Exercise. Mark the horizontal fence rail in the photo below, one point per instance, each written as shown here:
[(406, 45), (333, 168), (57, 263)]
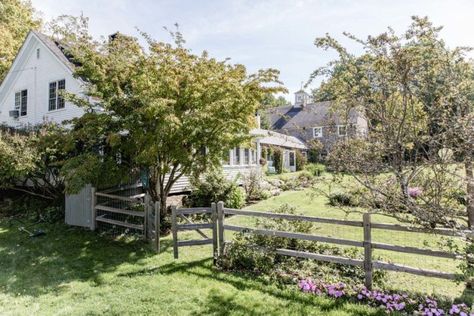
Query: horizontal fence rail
[(132, 210), (190, 225), (231, 211), (367, 244), (276, 233)]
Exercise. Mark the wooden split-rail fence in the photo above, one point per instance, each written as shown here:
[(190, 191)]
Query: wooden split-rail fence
[(219, 227)]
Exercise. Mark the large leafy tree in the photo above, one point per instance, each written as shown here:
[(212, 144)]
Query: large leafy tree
[(414, 92), (17, 18), (162, 109)]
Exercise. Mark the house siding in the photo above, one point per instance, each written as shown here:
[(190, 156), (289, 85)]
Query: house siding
[(34, 75)]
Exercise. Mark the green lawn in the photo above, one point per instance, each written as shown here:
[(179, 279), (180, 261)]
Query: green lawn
[(71, 271), (308, 202)]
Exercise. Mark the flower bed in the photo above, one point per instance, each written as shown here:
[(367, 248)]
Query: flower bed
[(391, 302)]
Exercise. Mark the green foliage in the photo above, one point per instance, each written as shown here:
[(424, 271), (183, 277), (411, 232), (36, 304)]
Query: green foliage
[(15, 167), (342, 199), (301, 160), (17, 18), (255, 253), (36, 171), (252, 185), (315, 169), (278, 160), (270, 101), (314, 152), (163, 105), (412, 89), (215, 187)]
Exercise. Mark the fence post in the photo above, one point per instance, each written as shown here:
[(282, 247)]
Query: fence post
[(220, 222), (157, 226), (214, 232), (93, 210), (174, 230), (367, 251), (147, 213)]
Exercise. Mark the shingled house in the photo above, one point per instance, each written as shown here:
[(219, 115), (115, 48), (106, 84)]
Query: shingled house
[(308, 121)]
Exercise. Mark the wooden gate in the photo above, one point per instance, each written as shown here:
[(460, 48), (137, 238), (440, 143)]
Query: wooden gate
[(187, 224), (127, 210)]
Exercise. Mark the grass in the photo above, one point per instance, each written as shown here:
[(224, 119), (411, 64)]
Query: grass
[(309, 202), (71, 271)]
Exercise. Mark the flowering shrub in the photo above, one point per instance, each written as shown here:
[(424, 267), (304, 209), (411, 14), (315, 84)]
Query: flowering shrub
[(391, 302), (415, 192), (332, 290)]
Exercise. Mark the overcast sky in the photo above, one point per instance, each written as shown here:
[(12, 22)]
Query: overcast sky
[(262, 34)]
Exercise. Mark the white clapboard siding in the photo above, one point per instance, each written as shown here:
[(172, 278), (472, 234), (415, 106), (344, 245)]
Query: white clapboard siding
[(231, 172)]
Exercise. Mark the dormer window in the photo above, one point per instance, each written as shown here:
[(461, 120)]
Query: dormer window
[(342, 130), (56, 100), (317, 132)]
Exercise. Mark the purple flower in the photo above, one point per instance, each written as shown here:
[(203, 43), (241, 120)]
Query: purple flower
[(400, 306), (454, 309), (415, 192)]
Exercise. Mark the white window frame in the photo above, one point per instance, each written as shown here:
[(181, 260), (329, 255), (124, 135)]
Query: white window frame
[(318, 135), (339, 127), (57, 98), (21, 102)]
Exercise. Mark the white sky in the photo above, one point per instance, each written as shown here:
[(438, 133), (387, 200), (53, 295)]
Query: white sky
[(274, 33)]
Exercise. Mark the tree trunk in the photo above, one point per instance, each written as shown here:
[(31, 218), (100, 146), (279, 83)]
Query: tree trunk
[(469, 192)]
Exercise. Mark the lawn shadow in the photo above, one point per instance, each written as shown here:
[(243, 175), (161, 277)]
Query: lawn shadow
[(36, 266), (218, 304)]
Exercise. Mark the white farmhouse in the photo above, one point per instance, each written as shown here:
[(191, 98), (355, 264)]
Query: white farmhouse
[(30, 93)]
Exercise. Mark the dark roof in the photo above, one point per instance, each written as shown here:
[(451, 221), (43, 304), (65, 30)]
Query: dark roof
[(55, 48), (290, 117)]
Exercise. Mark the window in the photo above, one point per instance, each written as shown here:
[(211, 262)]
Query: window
[(56, 100), (37, 53), (253, 157), (237, 157), (292, 158), (341, 130), (21, 102), (246, 156), (317, 132)]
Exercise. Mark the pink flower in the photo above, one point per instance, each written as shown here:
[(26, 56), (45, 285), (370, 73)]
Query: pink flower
[(415, 192)]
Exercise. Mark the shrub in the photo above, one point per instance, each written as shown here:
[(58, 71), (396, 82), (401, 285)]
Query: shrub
[(255, 253), (252, 184), (343, 199), (278, 160), (315, 169), (315, 150), (302, 180), (301, 160), (215, 187)]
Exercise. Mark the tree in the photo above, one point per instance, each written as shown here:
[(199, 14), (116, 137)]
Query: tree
[(411, 89), (164, 110), (270, 101), (36, 171), (17, 18)]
